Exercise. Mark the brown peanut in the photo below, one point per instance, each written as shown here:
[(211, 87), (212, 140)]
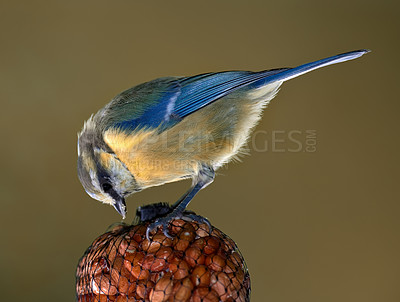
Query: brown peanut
[(200, 276), (121, 298), (230, 267), (102, 285), (219, 283), (194, 256), (199, 243), (202, 230), (140, 273), (183, 290), (179, 268), (143, 289), (134, 259), (164, 253), (203, 294), (212, 245), (188, 233), (215, 262), (104, 298), (98, 265), (177, 226), (181, 244), (138, 233), (162, 290)]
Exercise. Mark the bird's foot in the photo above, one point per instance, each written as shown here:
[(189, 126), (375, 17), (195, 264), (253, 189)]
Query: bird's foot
[(165, 221)]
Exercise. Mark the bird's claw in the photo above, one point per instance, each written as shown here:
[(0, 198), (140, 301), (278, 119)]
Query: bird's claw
[(164, 222)]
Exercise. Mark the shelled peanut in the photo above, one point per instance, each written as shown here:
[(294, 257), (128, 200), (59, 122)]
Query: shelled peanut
[(195, 265)]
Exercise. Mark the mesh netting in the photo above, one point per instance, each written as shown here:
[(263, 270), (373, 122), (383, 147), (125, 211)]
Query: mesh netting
[(196, 265)]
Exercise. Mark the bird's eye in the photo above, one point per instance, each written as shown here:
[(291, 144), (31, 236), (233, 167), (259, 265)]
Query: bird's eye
[(106, 187)]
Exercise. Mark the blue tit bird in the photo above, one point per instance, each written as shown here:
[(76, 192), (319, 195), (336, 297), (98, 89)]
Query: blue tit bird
[(175, 128)]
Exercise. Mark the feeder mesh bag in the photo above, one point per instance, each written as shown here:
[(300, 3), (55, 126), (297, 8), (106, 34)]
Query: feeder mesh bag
[(195, 265)]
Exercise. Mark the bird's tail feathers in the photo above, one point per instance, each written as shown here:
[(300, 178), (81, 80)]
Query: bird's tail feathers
[(302, 69)]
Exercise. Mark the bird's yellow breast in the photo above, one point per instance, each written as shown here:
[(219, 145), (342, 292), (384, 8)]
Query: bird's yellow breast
[(146, 155)]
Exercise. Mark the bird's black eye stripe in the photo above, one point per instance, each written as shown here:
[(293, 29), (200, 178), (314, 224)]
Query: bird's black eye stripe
[(106, 186)]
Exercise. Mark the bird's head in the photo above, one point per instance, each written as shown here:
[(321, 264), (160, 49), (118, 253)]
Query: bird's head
[(103, 176)]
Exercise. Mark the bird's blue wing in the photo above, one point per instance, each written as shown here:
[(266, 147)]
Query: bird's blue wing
[(169, 100), (200, 91)]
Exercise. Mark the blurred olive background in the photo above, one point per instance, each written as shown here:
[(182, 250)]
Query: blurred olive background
[(312, 226)]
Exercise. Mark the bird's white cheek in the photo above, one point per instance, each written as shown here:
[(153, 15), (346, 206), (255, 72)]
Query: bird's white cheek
[(103, 198)]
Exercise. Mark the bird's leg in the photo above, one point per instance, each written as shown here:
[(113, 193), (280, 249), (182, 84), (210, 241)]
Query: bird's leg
[(204, 177)]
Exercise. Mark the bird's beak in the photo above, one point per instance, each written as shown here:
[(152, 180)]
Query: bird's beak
[(120, 206)]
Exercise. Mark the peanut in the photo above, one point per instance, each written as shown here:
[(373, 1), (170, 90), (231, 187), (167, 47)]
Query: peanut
[(200, 276), (102, 285), (188, 233), (202, 230), (140, 273), (179, 268), (194, 256), (219, 283), (203, 294), (212, 245), (162, 290), (215, 262), (183, 290), (143, 289)]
